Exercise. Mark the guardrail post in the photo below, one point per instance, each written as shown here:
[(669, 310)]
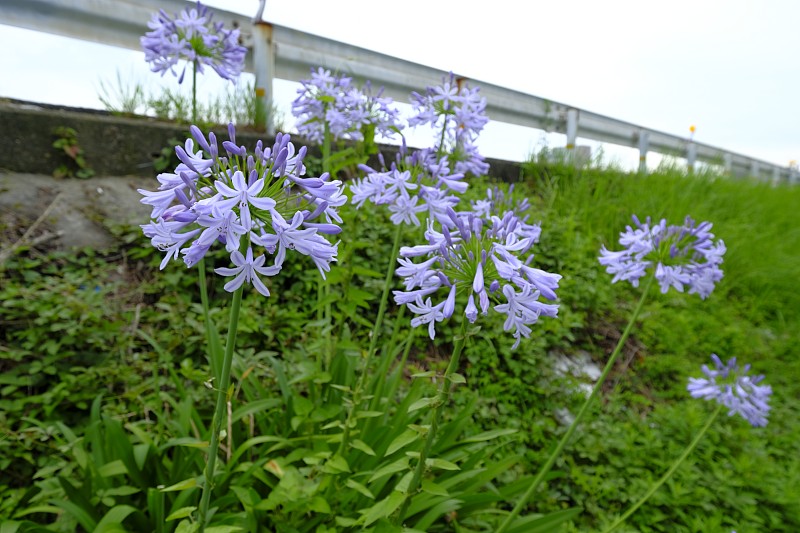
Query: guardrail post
[(755, 169), (264, 66), (644, 144), (776, 176), (572, 128), (727, 161), (691, 156)]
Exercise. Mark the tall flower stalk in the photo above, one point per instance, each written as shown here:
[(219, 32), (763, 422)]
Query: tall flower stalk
[(254, 203), (674, 255), (731, 388)]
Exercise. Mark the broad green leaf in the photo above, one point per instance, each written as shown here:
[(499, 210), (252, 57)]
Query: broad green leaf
[(489, 435), (345, 522), (113, 519), (302, 406), (81, 516), (246, 495), (223, 529), (369, 414), (114, 468), (183, 512), (355, 485), (336, 465), (428, 374), (402, 440), (383, 508), (257, 406), (543, 524), (391, 468), (419, 404), (441, 464), (457, 378), (363, 446), (432, 488), (181, 485), (319, 504)]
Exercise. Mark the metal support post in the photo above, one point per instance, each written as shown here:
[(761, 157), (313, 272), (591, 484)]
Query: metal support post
[(755, 169), (776, 176), (691, 156), (644, 145), (727, 161), (264, 66), (572, 128)]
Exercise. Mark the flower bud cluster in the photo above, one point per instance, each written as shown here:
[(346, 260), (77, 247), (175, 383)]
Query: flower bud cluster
[(240, 199), (347, 110), (192, 37), (682, 255), (478, 261), (730, 386)]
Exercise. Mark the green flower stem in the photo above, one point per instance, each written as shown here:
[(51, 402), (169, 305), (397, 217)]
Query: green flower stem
[(443, 398), (669, 472), (387, 284), (211, 335), (579, 417), (219, 411)]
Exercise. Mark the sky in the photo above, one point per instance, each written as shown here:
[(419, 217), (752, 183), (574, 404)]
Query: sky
[(731, 68)]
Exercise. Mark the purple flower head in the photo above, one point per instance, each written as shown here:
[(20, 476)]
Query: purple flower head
[(468, 260), (346, 110), (192, 37), (729, 385), (680, 256), (241, 199), (458, 114), (409, 188)]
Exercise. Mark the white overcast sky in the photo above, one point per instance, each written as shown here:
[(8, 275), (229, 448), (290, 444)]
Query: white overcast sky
[(729, 67)]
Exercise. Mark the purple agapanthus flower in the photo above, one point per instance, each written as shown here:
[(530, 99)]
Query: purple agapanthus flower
[(409, 189), (458, 114), (477, 261), (730, 386), (681, 255), (240, 200), (347, 110), (191, 36)]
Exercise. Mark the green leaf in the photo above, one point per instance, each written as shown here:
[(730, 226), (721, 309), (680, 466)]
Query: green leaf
[(432, 488), (428, 374), (543, 524), (363, 446), (457, 378), (302, 406), (181, 485), (223, 529), (441, 464), (81, 516), (369, 414), (113, 519), (401, 441), (383, 508), (422, 402), (489, 435), (336, 465), (257, 406), (319, 505), (183, 512), (391, 468), (114, 468), (355, 485)]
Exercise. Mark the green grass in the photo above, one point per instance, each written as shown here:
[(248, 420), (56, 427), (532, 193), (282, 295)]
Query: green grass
[(74, 325)]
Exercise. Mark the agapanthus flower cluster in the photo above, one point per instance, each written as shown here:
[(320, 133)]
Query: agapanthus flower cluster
[(347, 110), (730, 386), (193, 37), (458, 114), (241, 199), (478, 261), (683, 255), (409, 188)]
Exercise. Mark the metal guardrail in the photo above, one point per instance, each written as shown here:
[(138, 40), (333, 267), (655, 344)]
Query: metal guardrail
[(284, 53)]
